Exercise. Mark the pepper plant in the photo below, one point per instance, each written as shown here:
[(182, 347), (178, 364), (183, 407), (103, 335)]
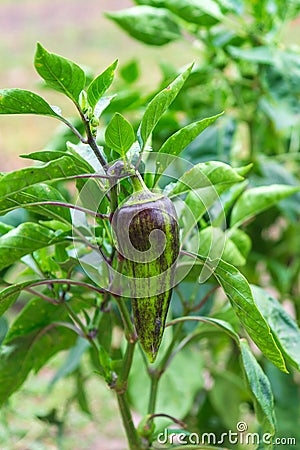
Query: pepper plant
[(248, 61), (112, 230)]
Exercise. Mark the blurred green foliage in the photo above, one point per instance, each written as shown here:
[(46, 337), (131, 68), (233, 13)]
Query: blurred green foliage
[(243, 68)]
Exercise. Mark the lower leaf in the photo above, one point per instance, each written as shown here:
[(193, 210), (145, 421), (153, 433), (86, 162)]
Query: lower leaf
[(32, 340)]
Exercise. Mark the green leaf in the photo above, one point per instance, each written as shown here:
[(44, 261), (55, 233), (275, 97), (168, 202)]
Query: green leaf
[(181, 139), (239, 293), (31, 342), (215, 143), (203, 194), (225, 395), (72, 360), (105, 329), (14, 182), (9, 295), (119, 134), (279, 113), (37, 193), (147, 24), (20, 101), (287, 401), (44, 155), (102, 104), (255, 200), (22, 240), (201, 13), (281, 87), (156, 3), (258, 55), (215, 175), (59, 73), (4, 228), (215, 242), (244, 170), (241, 241), (130, 71), (227, 199), (197, 205), (284, 328), (100, 84), (159, 104), (3, 329), (81, 154), (125, 100), (85, 157), (260, 389), (84, 161), (273, 172), (81, 394)]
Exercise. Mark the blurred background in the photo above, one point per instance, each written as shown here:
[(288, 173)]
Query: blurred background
[(79, 33)]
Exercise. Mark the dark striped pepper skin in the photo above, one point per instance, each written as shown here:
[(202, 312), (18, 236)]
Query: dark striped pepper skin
[(147, 235)]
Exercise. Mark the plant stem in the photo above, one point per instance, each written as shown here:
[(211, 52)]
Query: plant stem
[(134, 440), (90, 138), (205, 298), (70, 206), (66, 281), (42, 296), (131, 433), (85, 333), (252, 148), (121, 384), (75, 131), (177, 421), (76, 319), (153, 394), (92, 142), (127, 362), (113, 196), (96, 175), (97, 248), (157, 373)]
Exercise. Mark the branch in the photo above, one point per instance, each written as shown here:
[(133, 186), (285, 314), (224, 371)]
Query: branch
[(177, 421), (90, 138), (43, 296), (71, 282), (75, 131), (94, 247), (69, 205), (205, 298), (96, 175), (131, 433)]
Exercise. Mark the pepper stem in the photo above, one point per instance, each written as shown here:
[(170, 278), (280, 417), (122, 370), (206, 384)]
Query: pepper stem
[(138, 183)]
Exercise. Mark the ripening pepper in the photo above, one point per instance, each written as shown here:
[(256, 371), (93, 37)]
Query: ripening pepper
[(147, 235)]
